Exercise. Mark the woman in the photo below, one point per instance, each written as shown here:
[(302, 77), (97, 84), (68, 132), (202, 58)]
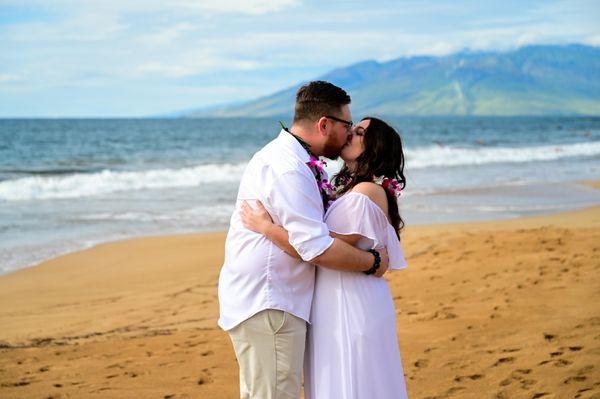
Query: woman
[(352, 348)]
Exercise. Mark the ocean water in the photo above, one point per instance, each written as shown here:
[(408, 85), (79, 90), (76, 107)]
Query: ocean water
[(70, 184)]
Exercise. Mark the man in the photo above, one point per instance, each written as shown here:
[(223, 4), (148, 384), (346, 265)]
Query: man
[(264, 294)]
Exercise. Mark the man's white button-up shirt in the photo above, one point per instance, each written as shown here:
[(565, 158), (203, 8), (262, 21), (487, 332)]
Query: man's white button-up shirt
[(256, 274)]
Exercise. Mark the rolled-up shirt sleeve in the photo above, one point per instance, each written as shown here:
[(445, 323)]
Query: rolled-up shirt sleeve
[(292, 199)]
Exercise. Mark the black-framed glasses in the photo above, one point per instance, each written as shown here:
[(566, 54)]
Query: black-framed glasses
[(349, 124)]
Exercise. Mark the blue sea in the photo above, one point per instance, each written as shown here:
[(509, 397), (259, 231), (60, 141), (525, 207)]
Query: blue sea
[(68, 184)]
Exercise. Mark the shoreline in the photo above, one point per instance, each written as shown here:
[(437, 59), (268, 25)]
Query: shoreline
[(595, 184), (591, 183), (507, 308)]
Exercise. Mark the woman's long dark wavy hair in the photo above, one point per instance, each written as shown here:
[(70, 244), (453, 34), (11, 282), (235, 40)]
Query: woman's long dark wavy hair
[(383, 156)]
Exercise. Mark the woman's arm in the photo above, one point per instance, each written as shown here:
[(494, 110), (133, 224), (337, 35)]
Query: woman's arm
[(259, 221), (280, 237), (341, 256)]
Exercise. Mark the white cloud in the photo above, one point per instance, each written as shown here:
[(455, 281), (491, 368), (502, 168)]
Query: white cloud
[(134, 44), (82, 27), (593, 40), (191, 66), (166, 35), (8, 78), (251, 7)]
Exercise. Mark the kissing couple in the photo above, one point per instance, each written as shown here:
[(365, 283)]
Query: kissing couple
[(301, 286)]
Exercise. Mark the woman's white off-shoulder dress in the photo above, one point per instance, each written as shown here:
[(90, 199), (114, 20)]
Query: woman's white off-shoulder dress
[(352, 348)]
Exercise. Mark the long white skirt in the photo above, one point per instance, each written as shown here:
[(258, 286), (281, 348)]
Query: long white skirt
[(352, 348)]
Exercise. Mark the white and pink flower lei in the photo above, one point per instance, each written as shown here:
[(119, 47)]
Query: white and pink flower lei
[(391, 185)]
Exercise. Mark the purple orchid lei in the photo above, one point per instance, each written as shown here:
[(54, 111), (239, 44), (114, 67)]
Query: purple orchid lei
[(323, 184)]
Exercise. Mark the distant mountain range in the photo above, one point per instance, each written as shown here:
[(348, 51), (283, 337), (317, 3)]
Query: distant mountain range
[(532, 80)]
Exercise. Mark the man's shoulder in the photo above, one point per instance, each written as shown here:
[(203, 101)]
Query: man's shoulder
[(279, 158)]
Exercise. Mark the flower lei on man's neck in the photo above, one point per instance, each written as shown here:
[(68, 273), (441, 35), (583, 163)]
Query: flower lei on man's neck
[(317, 166)]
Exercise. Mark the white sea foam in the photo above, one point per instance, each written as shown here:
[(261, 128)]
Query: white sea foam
[(453, 156), (107, 181)]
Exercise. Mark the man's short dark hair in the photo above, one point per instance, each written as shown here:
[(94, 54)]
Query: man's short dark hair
[(317, 99)]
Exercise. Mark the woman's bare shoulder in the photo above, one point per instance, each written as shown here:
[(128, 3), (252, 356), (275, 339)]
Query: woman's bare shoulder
[(375, 192)]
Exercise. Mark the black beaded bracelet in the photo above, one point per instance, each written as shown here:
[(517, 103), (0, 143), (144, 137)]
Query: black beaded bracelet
[(376, 263)]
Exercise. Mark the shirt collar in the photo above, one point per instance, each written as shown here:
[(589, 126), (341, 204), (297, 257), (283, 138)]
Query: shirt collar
[(293, 144)]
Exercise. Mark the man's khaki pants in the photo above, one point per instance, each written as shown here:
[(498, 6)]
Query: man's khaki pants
[(269, 347)]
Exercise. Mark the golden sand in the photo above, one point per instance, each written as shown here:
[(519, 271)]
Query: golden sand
[(505, 309)]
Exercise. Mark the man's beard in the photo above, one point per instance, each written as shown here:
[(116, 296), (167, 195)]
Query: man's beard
[(331, 149)]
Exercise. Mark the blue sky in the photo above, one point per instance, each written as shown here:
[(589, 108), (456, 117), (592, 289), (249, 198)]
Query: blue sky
[(61, 58)]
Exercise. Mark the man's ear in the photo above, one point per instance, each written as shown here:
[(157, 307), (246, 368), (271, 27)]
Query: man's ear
[(322, 126)]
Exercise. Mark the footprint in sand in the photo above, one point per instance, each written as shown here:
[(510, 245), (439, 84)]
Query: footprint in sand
[(523, 371), (501, 395), (504, 360), (15, 384), (580, 377), (539, 395), (473, 377), (579, 392), (526, 384), (556, 362), (205, 378), (518, 376), (549, 337), (112, 366), (585, 370), (505, 382), (453, 390), (577, 378), (562, 363)]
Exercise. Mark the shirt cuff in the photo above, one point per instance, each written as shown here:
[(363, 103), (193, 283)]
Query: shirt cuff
[(311, 249)]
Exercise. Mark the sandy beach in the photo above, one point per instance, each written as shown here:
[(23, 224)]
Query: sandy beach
[(504, 309)]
